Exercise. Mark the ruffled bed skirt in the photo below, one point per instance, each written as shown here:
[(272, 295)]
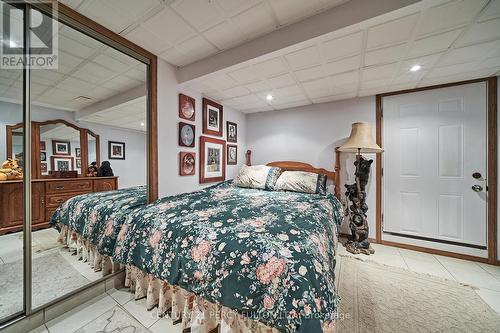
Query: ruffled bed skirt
[(194, 312), (87, 252)]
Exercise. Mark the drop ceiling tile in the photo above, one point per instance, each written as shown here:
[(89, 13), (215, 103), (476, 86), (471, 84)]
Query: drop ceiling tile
[(310, 73), (236, 92), (270, 67), (344, 89), (104, 11), (121, 83), (46, 77), (402, 86), (316, 88), (371, 92), (143, 37), (469, 53), (452, 69), (281, 81), (491, 62), (289, 11), (466, 75), (231, 7), (343, 47), (365, 85), (392, 32), (435, 43), (379, 72), (254, 21), (385, 55), (168, 26), (74, 47), (75, 85), (333, 98), (288, 91), (196, 46), (258, 109), (173, 56), (224, 35), (92, 72), (343, 79), (481, 32), (258, 86), (244, 75), (341, 66), (426, 63), (111, 63), (492, 11), (220, 82), (201, 14), (306, 57), (293, 104), (449, 15)]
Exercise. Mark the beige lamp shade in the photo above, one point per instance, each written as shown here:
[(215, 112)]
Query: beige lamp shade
[(360, 139)]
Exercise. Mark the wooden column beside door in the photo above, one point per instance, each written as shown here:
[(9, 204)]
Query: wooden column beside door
[(491, 88)]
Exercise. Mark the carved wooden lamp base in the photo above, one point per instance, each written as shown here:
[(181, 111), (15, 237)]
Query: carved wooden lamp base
[(357, 248)]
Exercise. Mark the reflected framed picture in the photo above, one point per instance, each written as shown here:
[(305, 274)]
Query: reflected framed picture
[(43, 156), (186, 135), (232, 154), (61, 147), (186, 107), (43, 167), (78, 163), (231, 132), (212, 160), (43, 146), (212, 117), (116, 150), (61, 163), (77, 152), (187, 163)]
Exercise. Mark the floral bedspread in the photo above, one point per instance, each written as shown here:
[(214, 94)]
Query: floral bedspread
[(267, 255), (98, 216)]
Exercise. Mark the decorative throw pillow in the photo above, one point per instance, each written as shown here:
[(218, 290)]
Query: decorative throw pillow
[(301, 181), (257, 176)]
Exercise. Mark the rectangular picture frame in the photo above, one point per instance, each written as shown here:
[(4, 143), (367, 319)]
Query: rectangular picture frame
[(213, 117), (232, 154), (187, 107), (187, 135), (212, 160), (231, 132), (116, 150), (56, 163), (187, 163), (61, 148)]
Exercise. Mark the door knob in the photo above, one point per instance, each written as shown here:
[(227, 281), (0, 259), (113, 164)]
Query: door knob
[(477, 188)]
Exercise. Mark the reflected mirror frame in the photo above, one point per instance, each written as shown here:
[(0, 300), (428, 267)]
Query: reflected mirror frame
[(71, 18)]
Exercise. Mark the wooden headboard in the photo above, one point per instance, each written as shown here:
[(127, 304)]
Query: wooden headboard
[(301, 166)]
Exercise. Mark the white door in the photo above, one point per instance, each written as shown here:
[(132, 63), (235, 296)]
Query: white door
[(434, 141)]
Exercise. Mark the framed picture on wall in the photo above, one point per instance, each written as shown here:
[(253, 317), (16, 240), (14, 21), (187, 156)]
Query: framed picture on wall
[(186, 107), (232, 154), (77, 152), (61, 163), (61, 147), (78, 163), (212, 160), (187, 163), (42, 145), (232, 132), (116, 150), (43, 167), (212, 117), (43, 156), (186, 135)]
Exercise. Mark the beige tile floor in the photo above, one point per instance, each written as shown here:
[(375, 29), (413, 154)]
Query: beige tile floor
[(485, 277)]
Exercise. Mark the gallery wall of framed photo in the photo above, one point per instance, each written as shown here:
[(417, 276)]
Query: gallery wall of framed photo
[(209, 140)]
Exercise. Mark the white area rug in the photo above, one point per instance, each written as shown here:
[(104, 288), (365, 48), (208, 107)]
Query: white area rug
[(53, 277), (379, 298)]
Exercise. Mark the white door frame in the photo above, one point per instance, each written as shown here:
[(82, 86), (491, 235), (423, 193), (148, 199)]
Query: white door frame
[(491, 86)]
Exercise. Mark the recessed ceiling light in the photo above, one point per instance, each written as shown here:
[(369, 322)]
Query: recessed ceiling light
[(142, 124), (269, 97), (415, 68)]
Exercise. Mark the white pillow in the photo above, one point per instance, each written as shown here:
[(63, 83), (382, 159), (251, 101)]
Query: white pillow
[(257, 176), (301, 181)]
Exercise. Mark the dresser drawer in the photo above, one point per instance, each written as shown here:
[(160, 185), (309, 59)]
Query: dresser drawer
[(69, 186), (55, 200)]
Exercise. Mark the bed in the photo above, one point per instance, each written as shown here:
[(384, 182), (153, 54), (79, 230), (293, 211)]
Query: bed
[(89, 223), (243, 260)]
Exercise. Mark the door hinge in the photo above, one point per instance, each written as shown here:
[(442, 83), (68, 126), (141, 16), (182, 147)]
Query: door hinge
[(382, 172)]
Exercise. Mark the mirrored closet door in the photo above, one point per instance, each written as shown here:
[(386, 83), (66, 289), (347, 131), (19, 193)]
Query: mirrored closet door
[(88, 134), (12, 157)]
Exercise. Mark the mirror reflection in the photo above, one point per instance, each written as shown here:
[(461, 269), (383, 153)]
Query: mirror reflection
[(96, 96)]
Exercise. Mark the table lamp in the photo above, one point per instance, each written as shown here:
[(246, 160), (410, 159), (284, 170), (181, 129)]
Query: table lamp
[(360, 141)]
